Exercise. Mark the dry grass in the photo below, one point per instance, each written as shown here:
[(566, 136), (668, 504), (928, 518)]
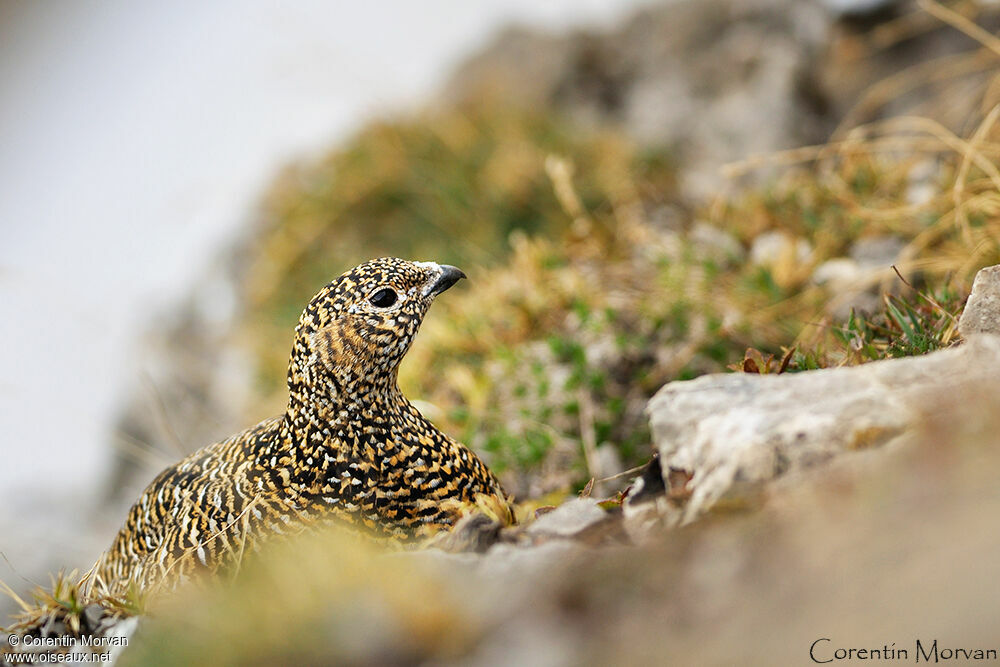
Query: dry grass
[(61, 607), (591, 284)]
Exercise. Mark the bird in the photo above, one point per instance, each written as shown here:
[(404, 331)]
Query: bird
[(350, 451)]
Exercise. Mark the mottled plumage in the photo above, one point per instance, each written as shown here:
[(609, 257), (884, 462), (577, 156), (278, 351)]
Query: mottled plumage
[(350, 450)]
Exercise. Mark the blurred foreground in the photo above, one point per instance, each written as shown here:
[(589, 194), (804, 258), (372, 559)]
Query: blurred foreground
[(883, 549)]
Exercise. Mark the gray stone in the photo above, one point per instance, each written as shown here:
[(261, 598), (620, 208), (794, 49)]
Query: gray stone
[(716, 245), (125, 628), (770, 248), (733, 432), (923, 182), (837, 272), (473, 533), (717, 81), (91, 618), (568, 519), (850, 286), (854, 282), (982, 312), (507, 562), (877, 252), (714, 80)]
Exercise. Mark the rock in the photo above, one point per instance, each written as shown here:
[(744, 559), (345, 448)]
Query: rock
[(716, 245), (877, 252), (55, 626), (838, 273), (717, 81), (714, 80), (647, 503), (568, 520), (510, 573), (854, 281), (126, 629), (923, 182), (91, 618), (733, 432), (770, 248), (474, 533), (982, 312), (506, 559)]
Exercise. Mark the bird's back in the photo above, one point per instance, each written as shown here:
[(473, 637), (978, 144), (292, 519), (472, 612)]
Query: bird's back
[(191, 515), (218, 504)]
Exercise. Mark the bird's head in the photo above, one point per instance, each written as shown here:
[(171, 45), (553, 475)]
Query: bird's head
[(360, 325)]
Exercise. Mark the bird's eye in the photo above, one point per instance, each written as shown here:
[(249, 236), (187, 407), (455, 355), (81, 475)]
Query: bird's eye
[(383, 298)]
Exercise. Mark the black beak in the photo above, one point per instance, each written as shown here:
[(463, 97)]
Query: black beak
[(449, 276)]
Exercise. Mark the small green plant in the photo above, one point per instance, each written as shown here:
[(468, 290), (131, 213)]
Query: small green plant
[(73, 602), (902, 328)]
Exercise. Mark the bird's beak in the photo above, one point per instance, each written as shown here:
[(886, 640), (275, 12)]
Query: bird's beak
[(449, 276)]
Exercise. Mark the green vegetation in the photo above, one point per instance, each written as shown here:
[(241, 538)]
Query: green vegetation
[(592, 284), (72, 603), (450, 187), (903, 327)]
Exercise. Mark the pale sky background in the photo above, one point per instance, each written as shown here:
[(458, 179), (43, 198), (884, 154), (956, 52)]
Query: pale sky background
[(135, 138)]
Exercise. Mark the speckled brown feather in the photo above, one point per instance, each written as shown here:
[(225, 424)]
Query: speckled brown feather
[(349, 451)]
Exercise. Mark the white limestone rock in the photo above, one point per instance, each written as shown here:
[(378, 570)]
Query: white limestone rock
[(568, 520), (715, 244), (772, 247), (732, 432), (855, 282), (982, 312)]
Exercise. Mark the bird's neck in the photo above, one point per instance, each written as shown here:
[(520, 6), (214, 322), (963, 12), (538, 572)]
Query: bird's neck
[(320, 418), (327, 398)]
